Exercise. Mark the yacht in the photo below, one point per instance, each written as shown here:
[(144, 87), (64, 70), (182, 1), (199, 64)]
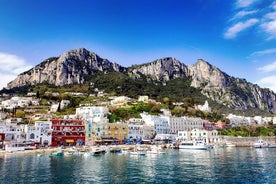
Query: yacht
[(197, 145)]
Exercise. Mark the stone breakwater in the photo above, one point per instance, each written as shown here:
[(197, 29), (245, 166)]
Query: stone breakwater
[(248, 141)]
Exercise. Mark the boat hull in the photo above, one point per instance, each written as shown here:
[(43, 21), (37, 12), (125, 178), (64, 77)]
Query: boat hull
[(194, 147)]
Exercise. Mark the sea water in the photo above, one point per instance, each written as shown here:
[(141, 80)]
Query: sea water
[(223, 165)]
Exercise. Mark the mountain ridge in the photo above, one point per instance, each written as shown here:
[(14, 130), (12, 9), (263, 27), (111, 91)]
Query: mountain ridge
[(79, 65)]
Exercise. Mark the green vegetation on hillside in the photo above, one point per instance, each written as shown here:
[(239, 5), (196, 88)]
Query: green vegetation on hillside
[(117, 84)]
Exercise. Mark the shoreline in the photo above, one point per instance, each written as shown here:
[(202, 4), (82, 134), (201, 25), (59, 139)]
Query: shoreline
[(55, 149), (33, 151), (237, 141)]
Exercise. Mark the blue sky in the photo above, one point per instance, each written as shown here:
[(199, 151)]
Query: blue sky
[(237, 36)]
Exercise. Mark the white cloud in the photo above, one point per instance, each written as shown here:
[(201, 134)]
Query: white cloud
[(264, 52), (269, 22), (244, 3), (268, 68), (11, 66), (243, 13), (270, 28), (268, 82), (240, 26)]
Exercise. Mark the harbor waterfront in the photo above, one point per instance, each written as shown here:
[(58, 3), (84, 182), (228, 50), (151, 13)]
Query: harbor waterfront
[(218, 165)]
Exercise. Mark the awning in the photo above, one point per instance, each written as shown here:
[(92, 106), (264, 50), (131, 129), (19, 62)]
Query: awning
[(69, 140)]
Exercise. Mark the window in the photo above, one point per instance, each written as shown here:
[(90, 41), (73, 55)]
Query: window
[(32, 136)]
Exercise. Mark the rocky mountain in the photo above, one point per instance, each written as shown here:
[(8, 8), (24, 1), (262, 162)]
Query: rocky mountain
[(233, 92), (80, 65), (161, 70), (75, 66)]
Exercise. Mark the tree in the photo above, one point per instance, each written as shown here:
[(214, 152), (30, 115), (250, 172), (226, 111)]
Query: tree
[(166, 100), (178, 111), (20, 114)]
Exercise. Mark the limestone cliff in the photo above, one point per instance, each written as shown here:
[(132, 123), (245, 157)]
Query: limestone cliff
[(74, 66), (161, 70), (233, 92)]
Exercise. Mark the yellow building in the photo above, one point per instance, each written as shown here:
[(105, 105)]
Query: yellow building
[(116, 130), (104, 132)]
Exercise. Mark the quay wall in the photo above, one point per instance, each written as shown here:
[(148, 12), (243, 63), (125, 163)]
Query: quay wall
[(247, 141)]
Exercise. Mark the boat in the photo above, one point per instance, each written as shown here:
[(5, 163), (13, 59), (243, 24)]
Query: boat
[(229, 144), (138, 152), (71, 151), (196, 145), (114, 149), (156, 150), (11, 147), (260, 144), (98, 151), (57, 153)]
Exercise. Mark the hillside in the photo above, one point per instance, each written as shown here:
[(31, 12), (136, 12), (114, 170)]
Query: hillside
[(163, 77)]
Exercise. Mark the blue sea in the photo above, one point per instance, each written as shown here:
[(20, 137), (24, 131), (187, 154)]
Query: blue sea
[(222, 165)]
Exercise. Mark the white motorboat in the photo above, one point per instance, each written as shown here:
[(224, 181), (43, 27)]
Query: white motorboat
[(196, 145), (260, 144)]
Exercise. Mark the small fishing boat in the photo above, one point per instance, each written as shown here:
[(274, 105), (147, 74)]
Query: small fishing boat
[(57, 153)]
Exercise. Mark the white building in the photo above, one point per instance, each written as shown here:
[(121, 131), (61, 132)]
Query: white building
[(139, 131), (236, 121), (206, 135), (15, 102), (13, 132), (160, 123), (184, 124), (135, 131), (121, 100), (41, 132), (144, 99), (64, 103), (93, 113), (54, 107)]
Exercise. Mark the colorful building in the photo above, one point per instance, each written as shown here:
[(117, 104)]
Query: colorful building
[(68, 132), (109, 132)]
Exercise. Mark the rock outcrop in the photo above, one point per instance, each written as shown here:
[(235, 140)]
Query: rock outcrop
[(233, 92), (161, 70)]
